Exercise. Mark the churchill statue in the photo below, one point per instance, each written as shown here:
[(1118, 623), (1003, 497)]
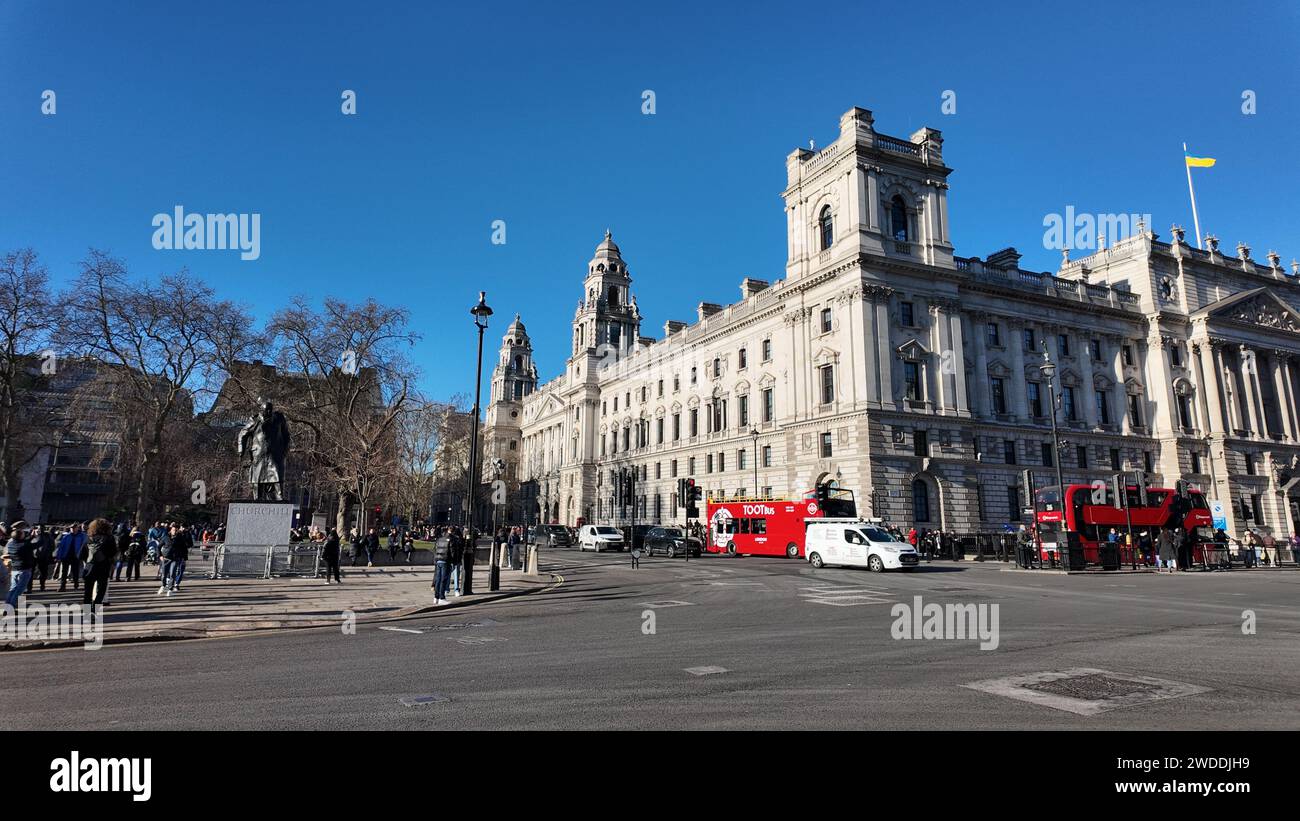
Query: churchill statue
[(265, 439)]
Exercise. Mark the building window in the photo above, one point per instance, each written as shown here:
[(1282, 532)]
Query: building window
[(920, 443), (740, 459), (1103, 407), (767, 456), (744, 411), (998, 390), (742, 359), (717, 367), (692, 379), (1250, 464), (722, 462), (690, 466), (1063, 344), (658, 475), (661, 388), (1067, 403), (826, 445), (906, 314), (826, 228), (677, 426), (695, 422), (627, 436), (1094, 349), (1134, 410), (912, 380), (1185, 412), (767, 350), (708, 463), (1256, 508), (672, 468), (1148, 461), (920, 501), (1048, 460), (769, 405), (1127, 352), (1114, 459), (1009, 451), (828, 384), (826, 320), (1196, 462), (1081, 456), (615, 404), (1175, 355), (898, 221), (992, 335), (1035, 399), (1027, 339), (659, 431)]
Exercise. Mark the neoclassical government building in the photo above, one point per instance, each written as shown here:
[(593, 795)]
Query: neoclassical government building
[(884, 362)]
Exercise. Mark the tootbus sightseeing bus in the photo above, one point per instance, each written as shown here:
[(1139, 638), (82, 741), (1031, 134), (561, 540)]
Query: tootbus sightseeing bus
[(763, 526), (1091, 513)]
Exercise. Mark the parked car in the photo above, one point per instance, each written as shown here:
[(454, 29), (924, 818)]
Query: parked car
[(550, 536), (599, 537), (672, 542), (634, 535), (857, 545)]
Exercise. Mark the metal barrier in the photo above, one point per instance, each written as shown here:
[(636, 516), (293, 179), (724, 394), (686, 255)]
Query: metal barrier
[(255, 561)]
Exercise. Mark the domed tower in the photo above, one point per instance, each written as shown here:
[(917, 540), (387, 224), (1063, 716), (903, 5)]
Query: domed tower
[(513, 378), (607, 318)]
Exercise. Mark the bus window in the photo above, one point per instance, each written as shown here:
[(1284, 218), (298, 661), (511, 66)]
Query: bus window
[(731, 526), (744, 526), (760, 527)]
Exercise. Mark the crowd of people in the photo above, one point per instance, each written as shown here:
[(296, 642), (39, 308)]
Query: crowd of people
[(90, 554)]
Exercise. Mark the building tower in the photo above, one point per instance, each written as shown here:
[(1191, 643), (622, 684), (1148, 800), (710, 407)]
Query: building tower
[(607, 318), (513, 378)]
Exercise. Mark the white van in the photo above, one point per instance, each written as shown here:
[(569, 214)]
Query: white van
[(600, 537), (857, 544)]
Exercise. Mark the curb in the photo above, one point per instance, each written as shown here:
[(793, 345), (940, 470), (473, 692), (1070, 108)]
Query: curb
[(271, 626)]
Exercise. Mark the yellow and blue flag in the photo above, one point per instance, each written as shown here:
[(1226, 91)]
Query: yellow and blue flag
[(1198, 162)]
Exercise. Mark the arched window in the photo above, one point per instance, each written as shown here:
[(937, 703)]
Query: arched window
[(920, 501), (613, 296), (898, 218), (519, 363), (826, 228)]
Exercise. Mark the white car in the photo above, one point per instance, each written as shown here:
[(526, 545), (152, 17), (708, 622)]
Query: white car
[(857, 544), (600, 537)]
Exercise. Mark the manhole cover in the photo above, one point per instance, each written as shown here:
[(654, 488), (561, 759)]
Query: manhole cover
[(1086, 691), (1093, 687)]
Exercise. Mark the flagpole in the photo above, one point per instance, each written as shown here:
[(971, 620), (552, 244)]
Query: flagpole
[(1196, 221)]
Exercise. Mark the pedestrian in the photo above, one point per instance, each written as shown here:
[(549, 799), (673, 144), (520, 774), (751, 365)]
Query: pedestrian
[(467, 567), (68, 555), (441, 566), (393, 543), (134, 554), (330, 555), (164, 550), (181, 543), (512, 542), (371, 546), (455, 560), (408, 545), (5, 574), (1168, 555), (99, 554), (44, 555), (20, 558), (123, 540), (1269, 551)]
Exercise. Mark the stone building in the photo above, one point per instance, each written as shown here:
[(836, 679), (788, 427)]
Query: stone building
[(884, 363)]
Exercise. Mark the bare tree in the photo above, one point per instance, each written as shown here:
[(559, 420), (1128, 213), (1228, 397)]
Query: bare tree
[(418, 436), (159, 347), (27, 425)]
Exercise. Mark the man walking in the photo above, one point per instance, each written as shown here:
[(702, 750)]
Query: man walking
[(467, 566), (68, 555), (20, 557), (1167, 554), (454, 561), (513, 541), (372, 545), (441, 558), (100, 552), (330, 555), (44, 555)]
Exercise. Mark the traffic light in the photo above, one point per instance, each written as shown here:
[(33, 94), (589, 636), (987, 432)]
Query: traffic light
[(1183, 488), (1142, 481), (1119, 487), (822, 494), (1027, 488), (693, 494)]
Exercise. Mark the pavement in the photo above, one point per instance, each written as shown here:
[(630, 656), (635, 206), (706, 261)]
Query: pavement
[(207, 607), (720, 643)]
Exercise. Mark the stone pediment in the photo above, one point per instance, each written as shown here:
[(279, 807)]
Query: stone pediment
[(913, 349), (1260, 307)]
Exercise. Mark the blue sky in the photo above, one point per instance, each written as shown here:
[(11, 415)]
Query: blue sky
[(531, 113)]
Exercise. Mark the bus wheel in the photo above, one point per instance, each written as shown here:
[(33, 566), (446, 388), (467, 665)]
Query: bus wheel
[(792, 551), (731, 548), (815, 559), (875, 565)]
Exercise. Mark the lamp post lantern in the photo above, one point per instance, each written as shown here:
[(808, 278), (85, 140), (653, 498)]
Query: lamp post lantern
[(481, 312)]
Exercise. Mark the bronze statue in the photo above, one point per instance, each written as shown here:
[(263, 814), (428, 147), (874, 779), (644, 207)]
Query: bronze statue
[(266, 440)]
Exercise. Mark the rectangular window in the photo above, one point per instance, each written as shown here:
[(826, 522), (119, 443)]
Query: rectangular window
[(1148, 461), (769, 405), (722, 462), (906, 314), (1067, 403), (767, 456), (657, 473), (828, 384), (998, 390), (920, 443), (912, 380), (695, 422), (1127, 352), (1175, 355), (659, 431), (1134, 410), (677, 384), (615, 404), (1196, 462), (740, 459), (826, 320), (690, 466), (742, 360), (1094, 348), (826, 445), (767, 350), (1081, 455), (1027, 339), (1035, 399), (672, 466), (1103, 407), (1009, 451), (1114, 459), (661, 388), (1048, 460), (1256, 508), (677, 426), (993, 337), (1250, 464), (708, 463), (1063, 344), (744, 411)]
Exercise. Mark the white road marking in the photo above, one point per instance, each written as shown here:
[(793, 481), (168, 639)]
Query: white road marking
[(706, 671), (666, 603), (402, 630)]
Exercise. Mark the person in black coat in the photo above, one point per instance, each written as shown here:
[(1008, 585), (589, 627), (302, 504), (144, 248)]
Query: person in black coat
[(100, 552), (330, 555), (372, 546)]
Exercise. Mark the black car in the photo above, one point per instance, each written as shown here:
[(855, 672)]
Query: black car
[(550, 536), (671, 541)]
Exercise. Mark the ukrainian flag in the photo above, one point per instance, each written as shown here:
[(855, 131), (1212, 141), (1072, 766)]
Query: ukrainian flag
[(1198, 162)]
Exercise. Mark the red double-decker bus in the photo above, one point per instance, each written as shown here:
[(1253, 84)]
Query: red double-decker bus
[(762, 526), (1091, 513)]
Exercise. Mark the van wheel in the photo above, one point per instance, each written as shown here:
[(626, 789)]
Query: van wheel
[(792, 551), (815, 559), (875, 565)]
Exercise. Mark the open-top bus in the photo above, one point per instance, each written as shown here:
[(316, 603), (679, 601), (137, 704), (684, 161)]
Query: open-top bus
[(766, 526), (1091, 513)]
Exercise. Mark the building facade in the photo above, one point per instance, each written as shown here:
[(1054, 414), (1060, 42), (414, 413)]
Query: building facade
[(886, 364)]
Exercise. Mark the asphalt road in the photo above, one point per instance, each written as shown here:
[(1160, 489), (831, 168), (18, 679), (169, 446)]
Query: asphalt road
[(799, 649)]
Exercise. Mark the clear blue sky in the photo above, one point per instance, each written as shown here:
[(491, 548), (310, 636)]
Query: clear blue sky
[(468, 113)]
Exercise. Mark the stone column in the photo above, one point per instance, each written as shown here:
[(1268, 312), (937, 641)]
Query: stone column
[(1278, 361), (1088, 389), (1249, 416), (1211, 405), (884, 347), (1293, 401), (959, 363), (941, 344), (1232, 409), (1019, 399), (981, 391), (1120, 401)]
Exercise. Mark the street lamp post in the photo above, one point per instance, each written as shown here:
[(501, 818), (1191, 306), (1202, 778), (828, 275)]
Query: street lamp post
[(481, 312), (753, 434), (1048, 369)]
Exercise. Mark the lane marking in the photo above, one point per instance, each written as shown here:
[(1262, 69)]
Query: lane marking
[(706, 671), (402, 630)]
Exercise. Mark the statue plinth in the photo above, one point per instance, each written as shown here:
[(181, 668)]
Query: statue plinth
[(258, 523)]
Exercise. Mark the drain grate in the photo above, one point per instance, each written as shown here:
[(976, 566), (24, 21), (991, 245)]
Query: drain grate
[(1093, 687)]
